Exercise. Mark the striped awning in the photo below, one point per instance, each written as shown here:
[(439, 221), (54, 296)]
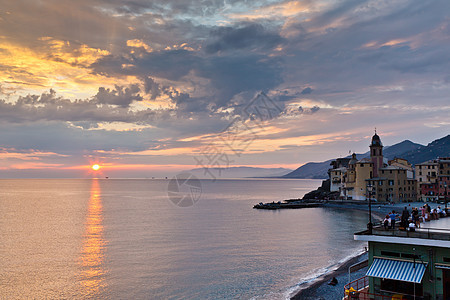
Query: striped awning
[(397, 270)]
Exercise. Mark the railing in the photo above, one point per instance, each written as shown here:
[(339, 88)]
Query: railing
[(361, 286), (430, 231), (358, 284), (370, 296), (422, 232)]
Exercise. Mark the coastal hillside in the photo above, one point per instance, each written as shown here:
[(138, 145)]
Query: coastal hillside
[(399, 150), (319, 170), (437, 148), (311, 170)]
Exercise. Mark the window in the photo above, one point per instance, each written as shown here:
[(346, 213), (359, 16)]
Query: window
[(389, 253), (408, 255), (402, 287), (391, 182)]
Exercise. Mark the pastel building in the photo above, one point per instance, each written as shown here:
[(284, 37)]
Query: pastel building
[(391, 181), (360, 171), (393, 185), (432, 178)]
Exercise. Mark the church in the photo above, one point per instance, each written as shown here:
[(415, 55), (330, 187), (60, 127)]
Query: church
[(375, 177)]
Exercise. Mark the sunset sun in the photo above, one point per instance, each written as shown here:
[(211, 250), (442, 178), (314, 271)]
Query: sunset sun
[(95, 167)]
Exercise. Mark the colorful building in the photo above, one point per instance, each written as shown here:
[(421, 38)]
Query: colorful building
[(393, 185), (432, 178), (392, 180), (405, 265)]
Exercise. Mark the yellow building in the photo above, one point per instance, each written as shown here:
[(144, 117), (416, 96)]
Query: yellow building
[(393, 185), (392, 182), (359, 171), (362, 170)]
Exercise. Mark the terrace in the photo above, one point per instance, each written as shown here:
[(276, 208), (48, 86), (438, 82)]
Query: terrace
[(434, 233)]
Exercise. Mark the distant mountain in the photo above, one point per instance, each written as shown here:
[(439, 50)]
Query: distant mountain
[(311, 170), (319, 170), (399, 150), (437, 148), (239, 172)]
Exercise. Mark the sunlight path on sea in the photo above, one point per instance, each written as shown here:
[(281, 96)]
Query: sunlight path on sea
[(92, 255)]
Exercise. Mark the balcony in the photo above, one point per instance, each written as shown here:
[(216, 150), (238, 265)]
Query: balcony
[(359, 289), (442, 234)]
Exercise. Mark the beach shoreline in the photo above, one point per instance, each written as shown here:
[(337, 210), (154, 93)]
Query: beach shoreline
[(319, 288), (341, 273)]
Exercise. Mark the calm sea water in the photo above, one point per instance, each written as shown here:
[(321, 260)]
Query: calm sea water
[(124, 239)]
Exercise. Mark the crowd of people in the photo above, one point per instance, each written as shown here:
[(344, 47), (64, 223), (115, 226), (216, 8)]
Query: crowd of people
[(412, 220)]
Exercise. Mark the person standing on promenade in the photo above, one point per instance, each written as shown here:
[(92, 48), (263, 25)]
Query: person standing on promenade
[(392, 216), (422, 210), (387, 222), (404, 218), (415, 217)]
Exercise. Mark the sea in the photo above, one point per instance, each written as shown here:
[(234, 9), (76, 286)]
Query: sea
[(132, 239)]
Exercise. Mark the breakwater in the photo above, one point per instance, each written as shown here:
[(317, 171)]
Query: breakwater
[(286, 205)]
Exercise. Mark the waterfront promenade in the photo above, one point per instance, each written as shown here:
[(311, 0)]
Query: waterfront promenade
[(320, 288)]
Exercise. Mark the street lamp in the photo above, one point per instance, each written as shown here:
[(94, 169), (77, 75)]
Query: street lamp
[(369, 192), (445, 199)]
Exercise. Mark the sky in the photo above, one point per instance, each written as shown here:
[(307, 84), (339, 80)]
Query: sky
[(150, 88)]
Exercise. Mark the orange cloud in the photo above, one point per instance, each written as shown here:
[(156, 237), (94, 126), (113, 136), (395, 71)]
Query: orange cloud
[(55, 64), (286, 9), (136, 43), (10, 153), (31, 166)]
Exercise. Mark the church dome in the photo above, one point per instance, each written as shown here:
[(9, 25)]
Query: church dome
[(376, 141)]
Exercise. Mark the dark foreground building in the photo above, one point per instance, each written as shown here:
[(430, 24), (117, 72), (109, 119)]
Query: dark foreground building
[(405, 265)]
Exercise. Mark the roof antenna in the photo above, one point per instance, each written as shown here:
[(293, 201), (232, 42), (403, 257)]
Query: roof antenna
[(375, 130)]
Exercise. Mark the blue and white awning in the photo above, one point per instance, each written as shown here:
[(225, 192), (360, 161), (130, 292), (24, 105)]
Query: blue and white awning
[(397, 270)]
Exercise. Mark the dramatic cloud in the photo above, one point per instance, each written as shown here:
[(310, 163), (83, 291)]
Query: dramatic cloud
[(128, 81), (249, 37), (119, 96)]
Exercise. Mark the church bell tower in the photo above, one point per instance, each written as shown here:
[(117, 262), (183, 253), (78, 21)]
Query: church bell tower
[(376, 153)]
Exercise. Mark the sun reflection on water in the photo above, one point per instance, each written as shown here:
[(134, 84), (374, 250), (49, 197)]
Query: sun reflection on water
[(92, 254)]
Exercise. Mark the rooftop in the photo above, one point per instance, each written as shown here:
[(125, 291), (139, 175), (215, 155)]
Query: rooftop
[(365, 160), (393, 168)]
